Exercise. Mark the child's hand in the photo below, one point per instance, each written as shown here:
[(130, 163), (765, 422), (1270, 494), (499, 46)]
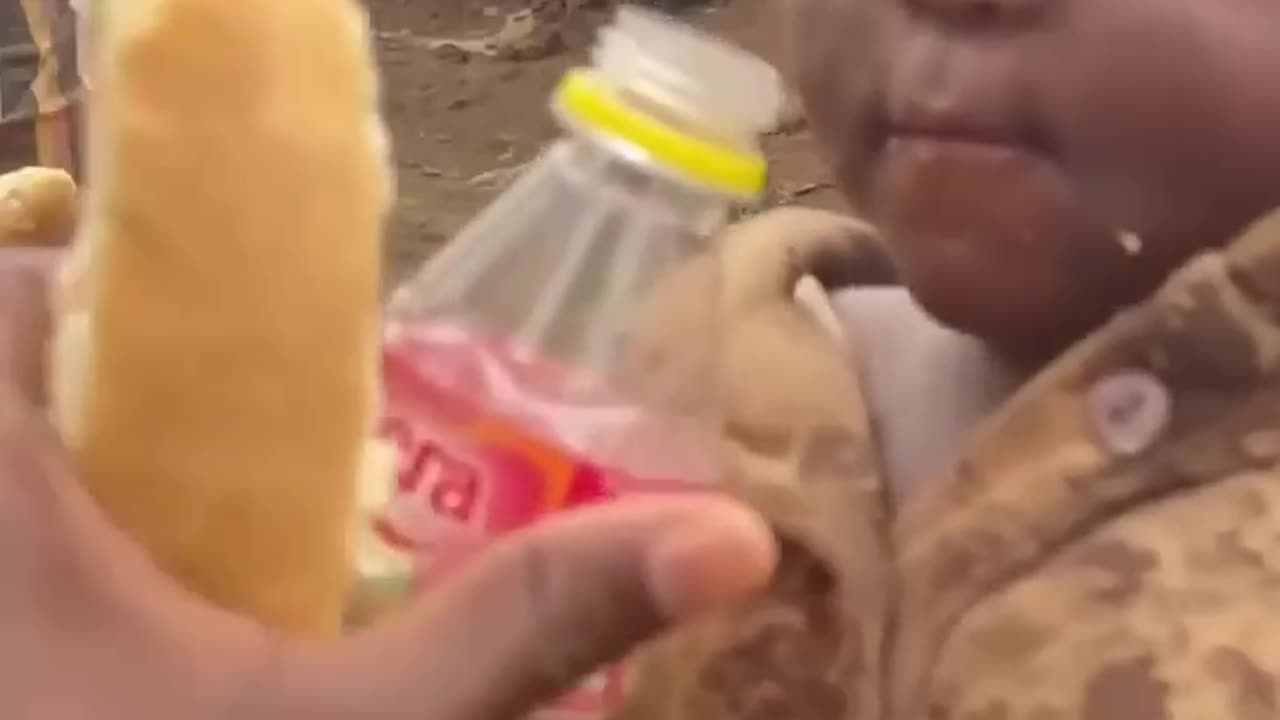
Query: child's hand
[(734, 316), (89, 628), (799, 449)]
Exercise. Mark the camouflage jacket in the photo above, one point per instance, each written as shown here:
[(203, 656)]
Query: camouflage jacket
[(39, 84), (1106, 547)]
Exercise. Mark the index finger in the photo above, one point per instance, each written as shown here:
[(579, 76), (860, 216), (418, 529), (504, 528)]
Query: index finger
[(24, 323), (42, 261)]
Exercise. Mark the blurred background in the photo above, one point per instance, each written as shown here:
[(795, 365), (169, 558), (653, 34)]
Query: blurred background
[(465, 85)]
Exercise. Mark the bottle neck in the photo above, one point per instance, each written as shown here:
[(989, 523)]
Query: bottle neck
[(596, 159), (687, 120), (674, 140)]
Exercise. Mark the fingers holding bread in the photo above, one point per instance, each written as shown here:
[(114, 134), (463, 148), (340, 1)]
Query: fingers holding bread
[(38, 212)]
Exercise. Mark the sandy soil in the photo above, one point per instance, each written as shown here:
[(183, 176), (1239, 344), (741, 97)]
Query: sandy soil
[(463, 121)]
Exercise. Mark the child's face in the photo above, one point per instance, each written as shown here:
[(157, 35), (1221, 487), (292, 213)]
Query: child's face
[(1037, 163)]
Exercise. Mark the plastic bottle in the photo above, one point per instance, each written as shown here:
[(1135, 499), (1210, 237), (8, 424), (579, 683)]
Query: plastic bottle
[(503, 357)]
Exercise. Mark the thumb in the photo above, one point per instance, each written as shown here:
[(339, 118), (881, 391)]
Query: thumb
[(545, 608)]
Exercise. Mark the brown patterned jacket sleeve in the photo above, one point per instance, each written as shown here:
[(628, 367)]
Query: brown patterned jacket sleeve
[(40, 85), (1106, 547), (801, 451)]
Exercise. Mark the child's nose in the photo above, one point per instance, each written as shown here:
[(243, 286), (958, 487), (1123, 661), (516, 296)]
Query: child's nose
[(979, 13)]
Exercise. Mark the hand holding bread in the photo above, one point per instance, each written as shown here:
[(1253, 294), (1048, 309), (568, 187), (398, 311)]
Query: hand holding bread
[(90, 625), (213, 380)]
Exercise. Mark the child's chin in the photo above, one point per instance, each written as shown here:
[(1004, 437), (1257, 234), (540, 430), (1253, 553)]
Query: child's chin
[(993, 243), (1022, 309)]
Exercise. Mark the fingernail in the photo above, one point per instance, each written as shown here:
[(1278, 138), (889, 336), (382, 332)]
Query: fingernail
[(715, 558)]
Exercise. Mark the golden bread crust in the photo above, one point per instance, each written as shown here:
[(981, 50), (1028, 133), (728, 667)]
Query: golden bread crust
[(226, 294)]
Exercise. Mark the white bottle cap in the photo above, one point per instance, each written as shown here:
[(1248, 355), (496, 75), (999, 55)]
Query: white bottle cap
[(690, 72)]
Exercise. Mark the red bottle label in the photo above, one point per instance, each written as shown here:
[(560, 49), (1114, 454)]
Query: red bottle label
[(467, 472)]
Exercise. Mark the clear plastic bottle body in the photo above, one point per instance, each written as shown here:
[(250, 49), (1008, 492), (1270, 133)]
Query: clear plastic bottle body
[(528, 320), (546, 288), (511, 392), (513, 385), (561, 257)]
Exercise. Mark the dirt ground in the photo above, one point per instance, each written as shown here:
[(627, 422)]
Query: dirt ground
[(464, 122)]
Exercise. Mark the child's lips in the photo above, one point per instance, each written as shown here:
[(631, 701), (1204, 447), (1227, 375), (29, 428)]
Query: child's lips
[(978, 199), (978, 227), (962, 179), (953, 145)]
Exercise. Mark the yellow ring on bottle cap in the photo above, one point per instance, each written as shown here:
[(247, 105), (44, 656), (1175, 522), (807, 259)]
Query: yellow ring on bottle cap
[(587, 99)]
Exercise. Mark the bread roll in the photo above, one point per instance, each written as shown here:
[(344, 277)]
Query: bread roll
[(215, 367), (37, 207)]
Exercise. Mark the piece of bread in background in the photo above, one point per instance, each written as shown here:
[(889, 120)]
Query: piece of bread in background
[(215, 365), (37, 207)]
